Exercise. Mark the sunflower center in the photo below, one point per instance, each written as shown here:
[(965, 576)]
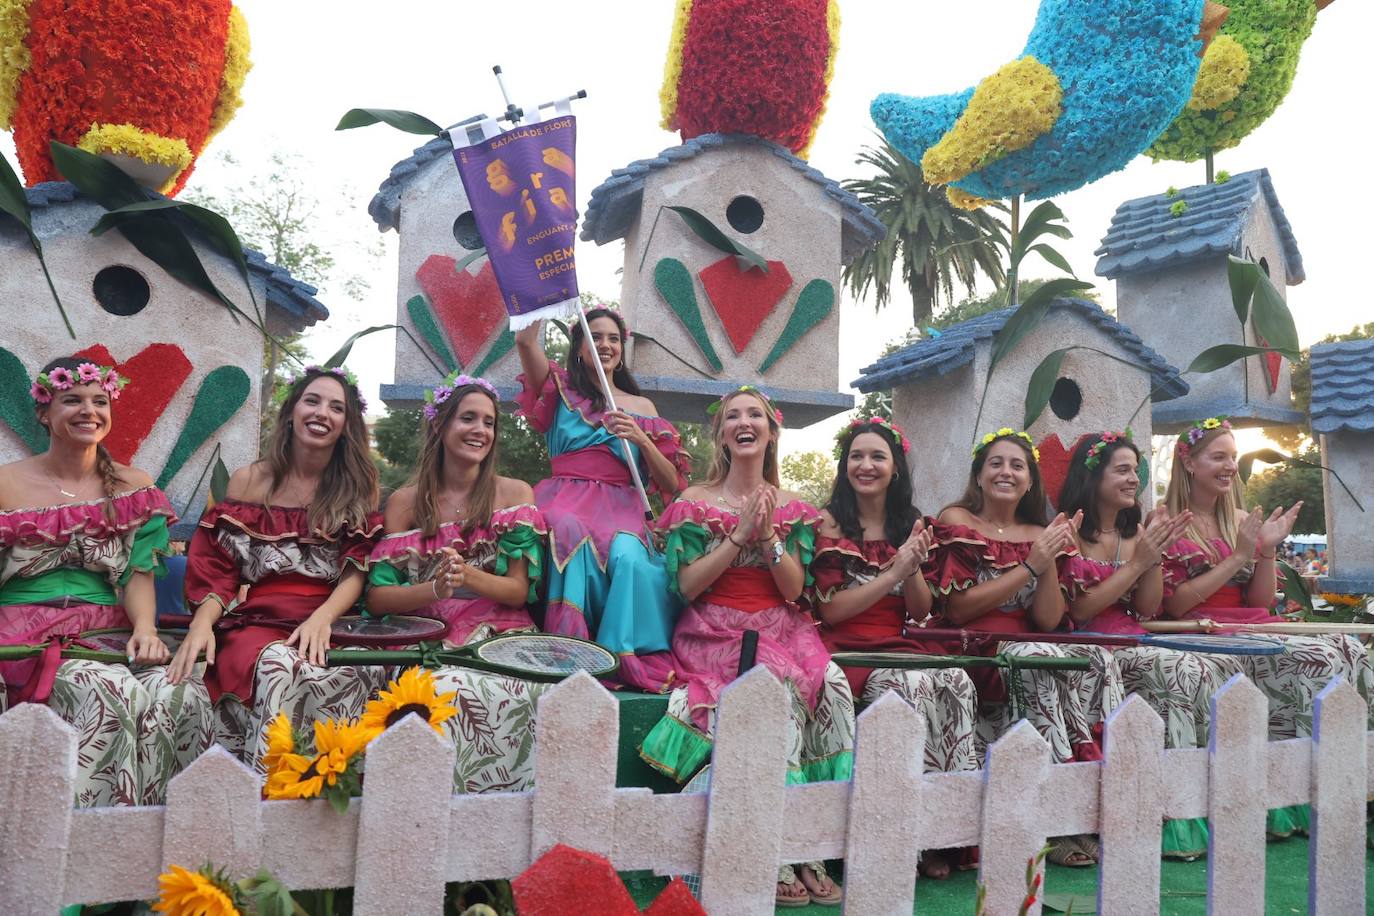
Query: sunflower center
[(420, 709)]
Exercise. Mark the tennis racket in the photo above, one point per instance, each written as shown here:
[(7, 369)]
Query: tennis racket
[(1217, 643), (914, 660), (546, 657)]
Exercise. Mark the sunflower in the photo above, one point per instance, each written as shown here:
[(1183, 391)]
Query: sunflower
[(280, 742), (413, 692), (193, 893), (299, 776)]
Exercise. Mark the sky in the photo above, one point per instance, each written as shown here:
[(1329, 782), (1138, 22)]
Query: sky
[(315, 60)]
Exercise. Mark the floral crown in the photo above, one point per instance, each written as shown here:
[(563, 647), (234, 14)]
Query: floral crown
[(342, 373), (884, 422), (1194, 434), (614, 308), (435, 398), (1004, 433), (1100, 447), (60, 379), (714, 408)]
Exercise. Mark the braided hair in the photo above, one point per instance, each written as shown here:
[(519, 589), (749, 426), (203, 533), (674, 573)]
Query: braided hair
[(110, 478)]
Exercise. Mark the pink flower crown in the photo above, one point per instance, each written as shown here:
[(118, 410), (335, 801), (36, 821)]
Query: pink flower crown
[(342, 373), (884, 422), (613, 308), (436, 397), (1099, 448), (1006, 432), (49, 383), (1195, 433), (714, 408)]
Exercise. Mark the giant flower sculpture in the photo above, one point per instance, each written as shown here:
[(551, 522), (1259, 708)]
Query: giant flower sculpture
[(1095, 85), (146, 83)]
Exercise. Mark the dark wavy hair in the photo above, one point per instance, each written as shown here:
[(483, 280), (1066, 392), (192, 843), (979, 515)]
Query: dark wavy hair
[(899, 512), (1079, 491), (1030, 510), (583, 378), (110, 478)]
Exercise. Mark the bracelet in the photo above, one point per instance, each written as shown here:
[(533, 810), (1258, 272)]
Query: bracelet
[(1033, 573), (1266, 556), (434, 587), (731, 538)]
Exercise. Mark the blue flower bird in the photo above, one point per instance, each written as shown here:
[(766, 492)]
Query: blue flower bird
[(1095, 85)]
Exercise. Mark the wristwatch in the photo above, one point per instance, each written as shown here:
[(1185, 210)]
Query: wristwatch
[(778, 551)]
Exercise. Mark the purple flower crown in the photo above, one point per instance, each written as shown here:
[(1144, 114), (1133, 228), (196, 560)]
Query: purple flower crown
[(884, 422), (1195, 433), (436, 397), (49, 383), (342, 373), (1099, 448)]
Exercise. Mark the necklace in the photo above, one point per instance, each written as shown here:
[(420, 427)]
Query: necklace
[(990, 523), (725, 502)]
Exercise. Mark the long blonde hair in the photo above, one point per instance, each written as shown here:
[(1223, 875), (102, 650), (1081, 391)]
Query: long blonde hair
[(348, 490), (720, 455), (1178, 498), (429, 473)]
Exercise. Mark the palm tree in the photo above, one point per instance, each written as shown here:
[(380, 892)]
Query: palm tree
[(936, 242)]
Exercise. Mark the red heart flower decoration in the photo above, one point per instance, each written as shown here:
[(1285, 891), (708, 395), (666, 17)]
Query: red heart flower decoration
[(1054, 464), (1273, 362), (744, 298), (564, 879), (155, 374), (469, 306)]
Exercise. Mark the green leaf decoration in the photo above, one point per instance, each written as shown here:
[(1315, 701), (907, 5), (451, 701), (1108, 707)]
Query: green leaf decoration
[(674, 283), (1240, 275), (16, 408), (341, 354), (16, 204), (408, 121), (1270, 456), (216, 229), (1294, 589), (1029, 314), (222, 392), (469, 258), (1042, 385), (219, 480), (97, 178), (1273, 321), (423, 318), (816, 301), (1246, 464), (1054, 257), (1214, 358), (711, 234), (503, 345)]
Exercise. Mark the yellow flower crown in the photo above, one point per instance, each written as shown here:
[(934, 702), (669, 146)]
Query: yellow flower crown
[(1006, 432)]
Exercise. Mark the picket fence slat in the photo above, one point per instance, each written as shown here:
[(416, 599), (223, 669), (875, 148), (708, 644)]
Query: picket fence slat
[(1338, 806), (407, 835), (405, 801), (745, 813), (1236, 812)]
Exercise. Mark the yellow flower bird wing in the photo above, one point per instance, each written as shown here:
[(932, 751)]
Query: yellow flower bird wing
[(1008, 111), (1224, 70), (14, 55)]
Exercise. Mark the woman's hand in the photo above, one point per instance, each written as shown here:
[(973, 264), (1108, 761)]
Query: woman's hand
[(451, 574), (145, 647), (199, 638), (623, 426), (768, 504), (1248, 533), (311, 638), (912, 553), (1056, 538), (1159, 532), (531, 334), (1277, 527)]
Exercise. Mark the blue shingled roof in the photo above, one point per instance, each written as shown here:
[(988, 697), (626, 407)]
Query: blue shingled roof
[(615, 204), (1343, 386), (294, 297), (937, 356), (385, 206), (1145, 236)]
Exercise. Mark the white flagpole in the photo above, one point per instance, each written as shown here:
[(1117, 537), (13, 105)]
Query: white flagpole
[(610, 402)]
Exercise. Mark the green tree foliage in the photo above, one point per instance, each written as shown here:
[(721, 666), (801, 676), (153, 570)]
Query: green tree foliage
[(1291, 438), (1284, 484), (811, 474), (935, 242)]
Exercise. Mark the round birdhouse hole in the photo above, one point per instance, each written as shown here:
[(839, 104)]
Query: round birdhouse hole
[(465, 231), (1066, 400), (121, 290), (745, 214)]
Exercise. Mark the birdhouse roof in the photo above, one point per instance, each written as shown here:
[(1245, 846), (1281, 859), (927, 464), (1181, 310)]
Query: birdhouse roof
[(615, 204), (933, 357), (1343, 386), (295, 298), (385, 206), (1146, 236)]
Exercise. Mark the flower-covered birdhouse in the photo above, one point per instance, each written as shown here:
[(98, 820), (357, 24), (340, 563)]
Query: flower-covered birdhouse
[(446, 293), (705, 319), (145, 83), (1168, 255), (936, 384), (1343, 422), (194, 370)]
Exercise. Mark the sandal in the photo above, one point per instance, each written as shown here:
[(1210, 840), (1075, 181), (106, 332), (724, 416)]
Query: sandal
[(934, 865), (1090, 845), (788, 876), (835, 895), (1064, 851)]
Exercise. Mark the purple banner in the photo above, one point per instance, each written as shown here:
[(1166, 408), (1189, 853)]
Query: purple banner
[(520, 187)]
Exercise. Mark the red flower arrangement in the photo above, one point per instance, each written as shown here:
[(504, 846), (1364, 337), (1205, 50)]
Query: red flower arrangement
[(740, 66), (151, 79)]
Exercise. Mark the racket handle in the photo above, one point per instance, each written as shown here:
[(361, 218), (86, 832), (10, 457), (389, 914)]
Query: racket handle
[(748, 651)]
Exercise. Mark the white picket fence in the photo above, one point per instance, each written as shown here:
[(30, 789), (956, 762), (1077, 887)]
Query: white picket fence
[(409, 834)]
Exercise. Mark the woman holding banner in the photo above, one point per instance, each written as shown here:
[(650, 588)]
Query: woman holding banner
[(607, 581)]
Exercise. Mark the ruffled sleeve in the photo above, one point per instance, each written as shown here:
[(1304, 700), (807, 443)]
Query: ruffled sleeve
[(151, 543), (687, 527), (829, 568), (540, 407), (954, 560), (666, 439), (1078, 574), (795, 524), (95, 519), (520, 533), (210, 569), (355, 544), (1183, 560)]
